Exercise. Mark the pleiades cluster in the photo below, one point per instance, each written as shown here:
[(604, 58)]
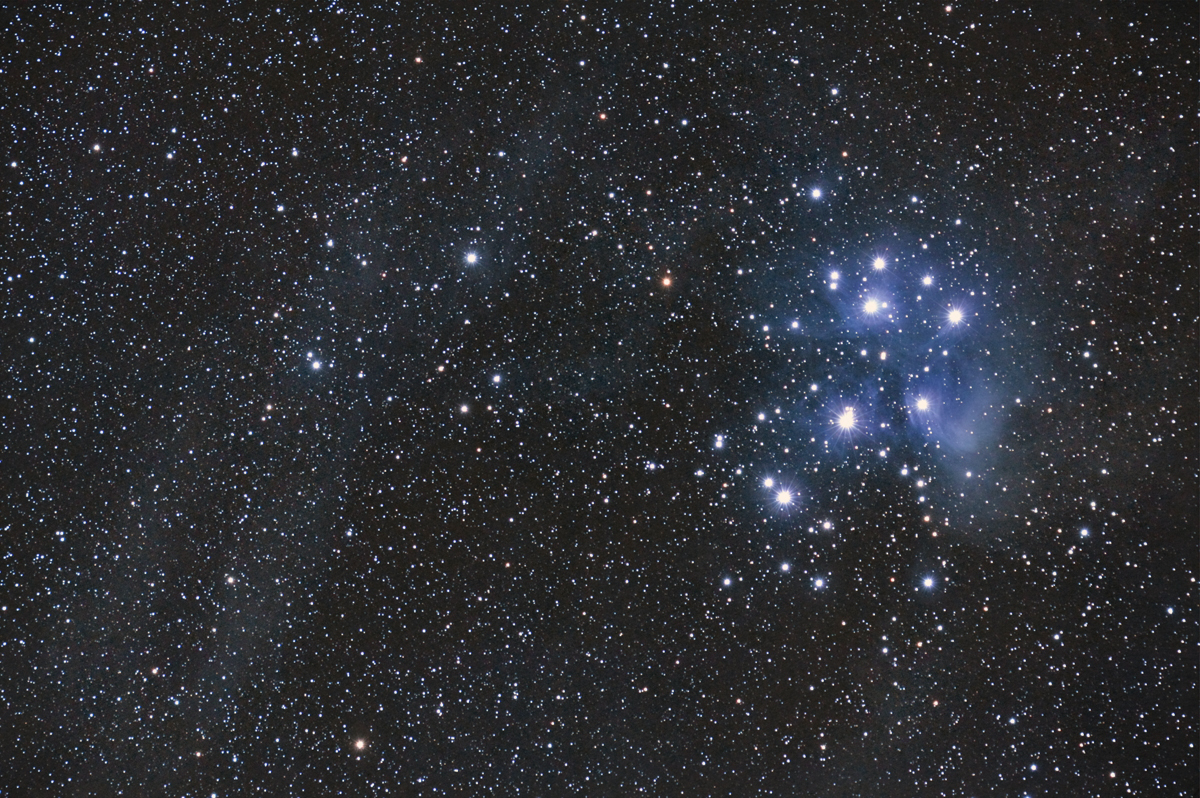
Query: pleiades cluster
[(591, 399)]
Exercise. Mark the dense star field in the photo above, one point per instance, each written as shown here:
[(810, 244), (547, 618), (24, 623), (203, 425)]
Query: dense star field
[(578, 401)]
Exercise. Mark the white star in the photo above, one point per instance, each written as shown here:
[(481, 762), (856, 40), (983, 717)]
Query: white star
[(846, 420), (879, 263)]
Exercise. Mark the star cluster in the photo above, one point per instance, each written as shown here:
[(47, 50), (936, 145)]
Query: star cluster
[(571, 400)]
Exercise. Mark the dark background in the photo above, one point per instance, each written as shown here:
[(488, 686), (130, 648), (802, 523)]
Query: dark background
[(228, 571)]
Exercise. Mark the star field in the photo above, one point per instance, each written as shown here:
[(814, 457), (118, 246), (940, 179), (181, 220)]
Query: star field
[(555, 400)]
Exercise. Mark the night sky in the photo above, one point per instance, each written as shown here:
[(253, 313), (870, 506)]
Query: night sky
[(599, 399)]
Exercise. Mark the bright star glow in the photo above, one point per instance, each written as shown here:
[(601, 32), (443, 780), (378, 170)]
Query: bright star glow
[(818, 583), (316, 365), (879, 263), (927, 280), (720, 444), (496, 379), (784, 497), (955, 316), (846, 420), (922, 403), (472, 258), (928, 581), (816, 193), (872, 306), (768, 483), (785, 567), (727, 581)]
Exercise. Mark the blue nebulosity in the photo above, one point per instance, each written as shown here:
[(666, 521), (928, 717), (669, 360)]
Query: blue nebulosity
[(578, 400)]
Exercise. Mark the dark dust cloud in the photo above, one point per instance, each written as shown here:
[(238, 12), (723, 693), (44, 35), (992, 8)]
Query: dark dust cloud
[(583, 399)]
